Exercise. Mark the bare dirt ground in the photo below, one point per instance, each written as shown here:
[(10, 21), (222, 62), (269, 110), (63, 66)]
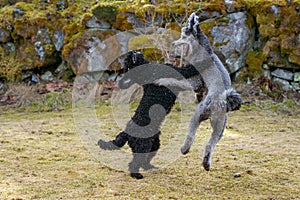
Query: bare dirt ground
[(42, 157)]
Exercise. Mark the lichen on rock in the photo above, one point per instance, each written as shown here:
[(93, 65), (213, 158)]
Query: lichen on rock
[(245, 34)]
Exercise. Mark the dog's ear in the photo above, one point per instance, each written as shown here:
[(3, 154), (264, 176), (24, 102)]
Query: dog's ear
[(191, 22), (192, 25), (196, 28)]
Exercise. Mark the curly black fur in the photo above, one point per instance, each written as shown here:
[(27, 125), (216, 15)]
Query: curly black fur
[(144, 144)]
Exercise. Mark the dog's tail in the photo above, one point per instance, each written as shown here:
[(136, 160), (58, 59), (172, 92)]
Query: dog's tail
[(233, 100)]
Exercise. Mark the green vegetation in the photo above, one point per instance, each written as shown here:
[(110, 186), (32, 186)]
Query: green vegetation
[(254, 61)]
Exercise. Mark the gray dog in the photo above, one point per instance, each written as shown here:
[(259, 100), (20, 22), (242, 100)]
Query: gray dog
[(194, 46)]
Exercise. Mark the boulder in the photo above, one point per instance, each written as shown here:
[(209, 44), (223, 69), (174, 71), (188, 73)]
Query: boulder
[(297, 77), (296, 86), (283, 74), (234, 6), (233, 38), (58, 39), (284, 84), (40, 50), (278, 27), (96, 51), (95, 23)]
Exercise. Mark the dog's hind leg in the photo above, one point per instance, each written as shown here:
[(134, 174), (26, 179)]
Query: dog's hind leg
[(218, 123), (200, 115), (154, 148), (135, 164), (141, 148)]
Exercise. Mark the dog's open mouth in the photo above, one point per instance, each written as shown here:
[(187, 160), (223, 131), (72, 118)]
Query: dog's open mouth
[(185, 50), (181, 51)]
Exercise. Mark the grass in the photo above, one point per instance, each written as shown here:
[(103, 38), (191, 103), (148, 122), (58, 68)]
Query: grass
[(42, 157)]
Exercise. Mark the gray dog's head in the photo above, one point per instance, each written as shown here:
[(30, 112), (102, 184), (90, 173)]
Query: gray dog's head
[(192, 43), (186, 44)]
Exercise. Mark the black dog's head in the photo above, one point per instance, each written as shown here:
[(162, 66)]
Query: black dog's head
[(133, 59)]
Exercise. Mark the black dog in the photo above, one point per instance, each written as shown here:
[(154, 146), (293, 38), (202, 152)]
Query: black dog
[(143, 130)]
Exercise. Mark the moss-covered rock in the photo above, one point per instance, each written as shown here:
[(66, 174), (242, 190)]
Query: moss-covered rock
[(278, 26), (42, 32), (76, 53), (122, 22), (4, 35), (254, 63), (10, 68), (105, 12)]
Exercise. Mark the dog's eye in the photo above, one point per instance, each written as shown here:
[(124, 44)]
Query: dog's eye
[(188, 33)]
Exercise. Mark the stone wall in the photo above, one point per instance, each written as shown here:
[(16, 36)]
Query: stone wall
[(252, 38)]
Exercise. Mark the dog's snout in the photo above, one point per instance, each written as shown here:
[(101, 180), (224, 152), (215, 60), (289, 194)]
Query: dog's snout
[(173, 54), (173, 44)]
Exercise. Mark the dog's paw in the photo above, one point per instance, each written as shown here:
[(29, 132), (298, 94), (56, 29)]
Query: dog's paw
[(206, 163), (185, 148), (107, 145), (136, 175)]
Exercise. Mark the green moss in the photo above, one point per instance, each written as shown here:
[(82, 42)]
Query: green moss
[(66, 76), (72, 31), (268, 31), (24, 30), (254, 63), (179, 8), (195, 5), (53, 101), (141, 42), (289, 103), (10, 68), (260, 6), (67, 48), (174, 26), (153, 54), (162, 9), (27, 7), (29, 50), (215, 5), (122, 23), (6, 18), (206, 27), (105, 12), (294, 57)]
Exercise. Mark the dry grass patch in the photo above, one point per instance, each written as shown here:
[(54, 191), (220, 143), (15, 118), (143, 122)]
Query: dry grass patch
[(42, 157)]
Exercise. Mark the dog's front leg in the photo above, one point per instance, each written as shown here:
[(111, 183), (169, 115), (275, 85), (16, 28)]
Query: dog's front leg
[(201, 114), (218, 123), (183, 84)]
